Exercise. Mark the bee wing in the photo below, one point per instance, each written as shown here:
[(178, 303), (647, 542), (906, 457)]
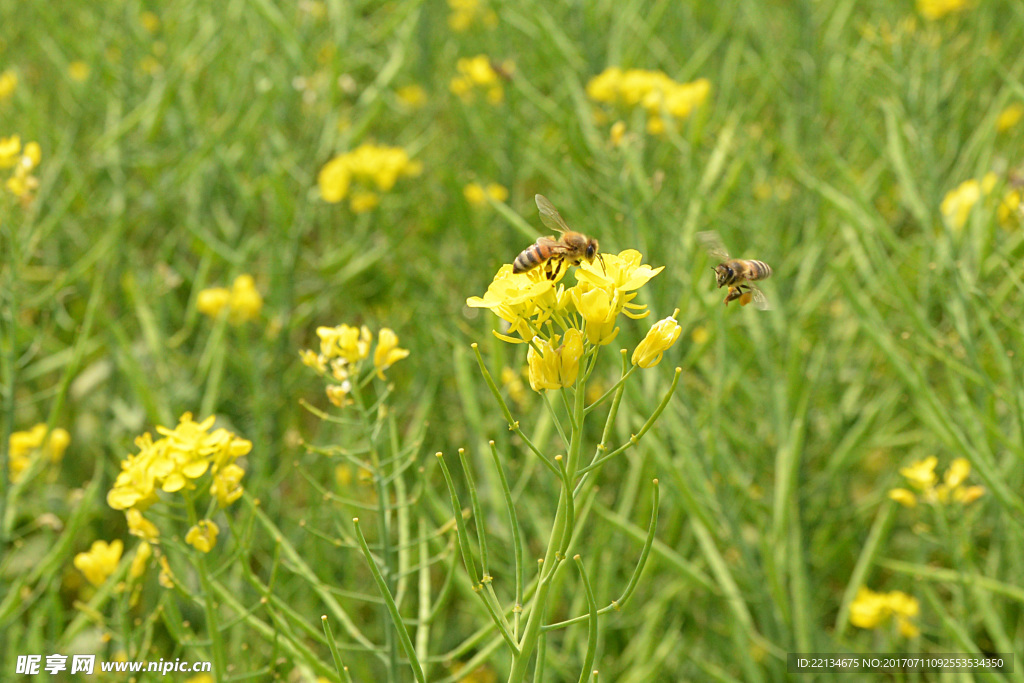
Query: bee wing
[(549, 242), (711, 242), (759, 299), (549, 215)]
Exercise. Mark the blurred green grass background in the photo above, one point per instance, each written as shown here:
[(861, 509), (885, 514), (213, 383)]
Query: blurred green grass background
[(833, 131)]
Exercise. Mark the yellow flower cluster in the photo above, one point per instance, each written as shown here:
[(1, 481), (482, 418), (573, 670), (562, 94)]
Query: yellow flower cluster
[(477, 194), (8, 84), (957, 204), (921, 476), (100, 561), (175, 462), (243, 301), (562, 325), (937, 9), (363, 173), (21, 182), (870, 610), (342, 352), (653, 90), (466, 13), (24, 445), (480, 74)]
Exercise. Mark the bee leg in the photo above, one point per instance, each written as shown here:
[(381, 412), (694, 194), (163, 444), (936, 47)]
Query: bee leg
[(553, 272)]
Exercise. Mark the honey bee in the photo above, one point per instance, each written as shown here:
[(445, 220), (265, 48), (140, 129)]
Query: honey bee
[(736, 274), (571, 248)]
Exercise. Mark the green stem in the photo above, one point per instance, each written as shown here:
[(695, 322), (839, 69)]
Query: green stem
[(389, 601)]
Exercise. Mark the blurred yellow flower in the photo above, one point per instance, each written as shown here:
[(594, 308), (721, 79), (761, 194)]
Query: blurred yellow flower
[(921, 474), (871, 610), (227, 484), (141, 559), (479, 74), (363, 201), (203, 536), (412, 96), (554, 367), (166, 577), (140, 526), (936, 9), (957, 204), (21, 183), (653, 90), (662, 335), (466, 13), (371, 166), (78, 71), (904, 497), (8, 83), (100, 561), (1009, 117), (243, 301), (476, 194), (23, 446), (212, 300), (150, 22)]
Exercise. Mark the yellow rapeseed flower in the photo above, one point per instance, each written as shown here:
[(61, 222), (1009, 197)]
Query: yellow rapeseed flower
[(203, 536), (100, 561), (173, 463), (227, 484), (904, 497), (372, 167), (662, 335), (957, 204), (476, 194), (140, 561), (871, 610), (243, 301), (524, 300), (553, 367), (23, 446), (478, 74), (213, 300), (467, 13), (246, 302), (139, 526), (387, 352), (21, 183), (921, 474), (658, 94)]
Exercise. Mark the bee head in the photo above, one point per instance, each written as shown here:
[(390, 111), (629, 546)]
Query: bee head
[(591, 250), (723, 274)]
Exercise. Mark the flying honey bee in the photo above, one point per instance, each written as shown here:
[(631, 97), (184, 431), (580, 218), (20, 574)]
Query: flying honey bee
[(571, 248), (736, 274)]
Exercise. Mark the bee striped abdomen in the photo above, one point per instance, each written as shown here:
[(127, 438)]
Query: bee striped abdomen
[(759, 270), (530, 258)]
